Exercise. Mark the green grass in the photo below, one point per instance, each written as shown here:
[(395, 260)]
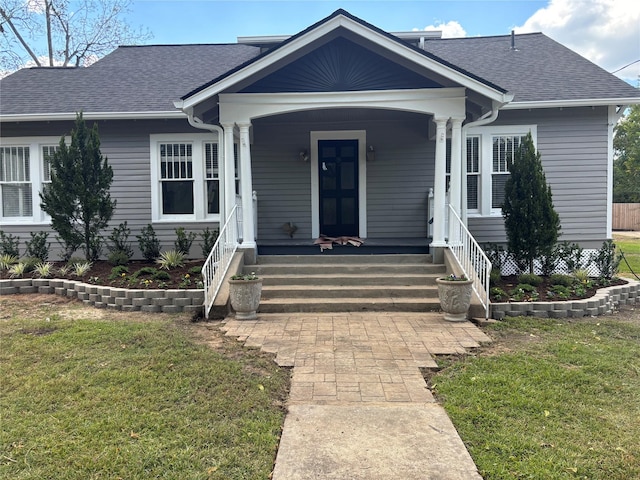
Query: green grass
[(99, 399), (631, 249), (551, 401)]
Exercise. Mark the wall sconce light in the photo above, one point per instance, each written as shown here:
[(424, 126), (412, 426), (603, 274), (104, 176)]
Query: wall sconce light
[(371, 153), (303, 155)]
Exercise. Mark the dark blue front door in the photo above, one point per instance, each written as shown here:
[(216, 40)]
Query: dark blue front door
[(338, 174)]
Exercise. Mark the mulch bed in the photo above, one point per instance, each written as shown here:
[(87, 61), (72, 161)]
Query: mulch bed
[(510, 282), (182, 277)]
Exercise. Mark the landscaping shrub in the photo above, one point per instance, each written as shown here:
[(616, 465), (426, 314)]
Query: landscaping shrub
[(571, 255), (606, 260), (119, 242), (9, 245), (494, 276), (118, 257), (183, 241), (149, 243), (209, 238), (117, 271), (561, 279), (560, 292), (38, 247), (531, 279), (498, 295)]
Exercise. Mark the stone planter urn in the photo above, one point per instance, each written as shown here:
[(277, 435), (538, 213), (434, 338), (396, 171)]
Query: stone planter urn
[(244, 295), (455, 297)]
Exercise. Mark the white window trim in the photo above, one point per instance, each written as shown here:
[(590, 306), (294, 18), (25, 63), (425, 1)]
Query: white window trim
[(361, 137), (486, 161), (36, 175), (197, 141)]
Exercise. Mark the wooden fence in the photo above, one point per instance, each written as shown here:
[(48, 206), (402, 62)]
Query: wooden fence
[(626, 216)]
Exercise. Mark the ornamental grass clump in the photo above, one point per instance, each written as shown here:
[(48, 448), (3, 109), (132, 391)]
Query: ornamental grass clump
[(171, 259)]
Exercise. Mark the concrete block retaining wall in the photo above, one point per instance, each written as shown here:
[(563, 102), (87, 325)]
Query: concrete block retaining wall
[(167, 301), (604, 301)]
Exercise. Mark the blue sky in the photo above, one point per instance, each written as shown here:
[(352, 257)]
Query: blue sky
[(606, 32)]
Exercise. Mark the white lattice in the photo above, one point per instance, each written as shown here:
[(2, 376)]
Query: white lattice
[(509, 267)]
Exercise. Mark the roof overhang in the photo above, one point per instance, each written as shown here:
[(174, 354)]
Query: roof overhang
[(341, 20), (594, 102), (52, 117)]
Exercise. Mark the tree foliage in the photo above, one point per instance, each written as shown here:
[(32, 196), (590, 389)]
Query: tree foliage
[(626, 166), (530, 219), (76, 33), (78, 198)]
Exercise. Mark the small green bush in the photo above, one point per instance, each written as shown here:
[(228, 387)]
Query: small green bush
[(197, 270), (149, 243), (526, 287), (560, 279), (38, 247), (494, 276), (497, 294), (117, 271), (30, 263), (119, 242), (209, 238), (161, 275), (560, 292), (606, 260), (9, 245), (118, 257), (44, 269), (145, 272), (530, 279), (183, 241)]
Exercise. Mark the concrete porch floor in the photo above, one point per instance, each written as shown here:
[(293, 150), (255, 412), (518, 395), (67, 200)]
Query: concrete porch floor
[(359, 407)]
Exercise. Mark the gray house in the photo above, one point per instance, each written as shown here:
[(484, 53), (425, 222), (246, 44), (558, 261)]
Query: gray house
[(342, 130)]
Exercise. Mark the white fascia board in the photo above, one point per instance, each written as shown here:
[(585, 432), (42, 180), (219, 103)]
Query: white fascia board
[(364, 32), (44, 117), (593, 102)]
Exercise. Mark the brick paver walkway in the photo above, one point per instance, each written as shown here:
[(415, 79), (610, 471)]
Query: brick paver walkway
[(356, 357)]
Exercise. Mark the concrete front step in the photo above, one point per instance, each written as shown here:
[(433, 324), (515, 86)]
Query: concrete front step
[(345, 259), (343, 269), (340, 291), (384, 283), (395, 279), (314, 305)]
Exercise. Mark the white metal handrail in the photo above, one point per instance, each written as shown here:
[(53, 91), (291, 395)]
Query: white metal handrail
[(470, 257), (217, 263)]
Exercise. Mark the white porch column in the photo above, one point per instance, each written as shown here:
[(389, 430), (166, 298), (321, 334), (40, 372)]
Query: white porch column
[(228, 184), (439, 183), (246, 187), (455, 183)]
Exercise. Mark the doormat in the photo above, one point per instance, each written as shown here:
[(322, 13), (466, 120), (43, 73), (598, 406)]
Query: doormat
[(327, 243)]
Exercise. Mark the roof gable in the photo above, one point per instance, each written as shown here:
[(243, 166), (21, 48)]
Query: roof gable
[(343, 24), (340, 65)]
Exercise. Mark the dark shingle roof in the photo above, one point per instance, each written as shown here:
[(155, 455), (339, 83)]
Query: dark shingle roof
[(130, 79), (150, 78), (539, 69)]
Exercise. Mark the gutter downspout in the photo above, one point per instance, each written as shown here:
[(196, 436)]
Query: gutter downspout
[(197, 123), (485, 119)]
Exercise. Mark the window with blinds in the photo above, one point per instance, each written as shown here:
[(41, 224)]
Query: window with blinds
[(473, 172), (15, 182), (176, 178), (504, 148)]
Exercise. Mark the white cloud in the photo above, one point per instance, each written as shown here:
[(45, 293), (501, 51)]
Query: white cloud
[(451, 29), (607, 32)]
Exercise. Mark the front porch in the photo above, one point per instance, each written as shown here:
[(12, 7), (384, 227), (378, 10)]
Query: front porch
[(371, 246)]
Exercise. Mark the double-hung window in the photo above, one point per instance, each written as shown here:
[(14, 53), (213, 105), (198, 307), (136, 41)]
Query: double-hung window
[(25, 169), (490, 152), (185, 177)]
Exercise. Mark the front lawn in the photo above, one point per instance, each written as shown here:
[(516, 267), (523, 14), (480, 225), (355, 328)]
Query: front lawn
[(549, 399), (92, 394), (631, 249)]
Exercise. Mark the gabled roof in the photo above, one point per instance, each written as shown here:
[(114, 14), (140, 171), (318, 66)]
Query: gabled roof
[(342, 23), (130, 79), (144, 81), (539, 69)]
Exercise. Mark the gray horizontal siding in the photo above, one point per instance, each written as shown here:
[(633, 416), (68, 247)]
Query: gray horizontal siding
[(572, 143), (126, 145)]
